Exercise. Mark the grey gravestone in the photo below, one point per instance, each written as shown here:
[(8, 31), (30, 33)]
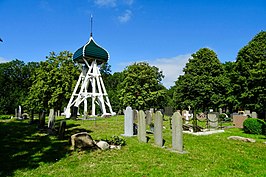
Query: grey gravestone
[(177, 132), (19, 112), (16, 113), (158, 129), (42, 120), (220, 110), (254, 115), (148, 117), (247, 112), (168, 111), (62, 128), (142, 127), (152, 110), (128, 122), (213, 119), (135, 115), (51, 120)]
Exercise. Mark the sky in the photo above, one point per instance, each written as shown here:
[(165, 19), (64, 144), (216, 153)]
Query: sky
[(163, 33)]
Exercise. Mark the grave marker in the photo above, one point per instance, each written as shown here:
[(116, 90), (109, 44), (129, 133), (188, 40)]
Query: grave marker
[(128, 122), (51, 120), (254, 115), (158, 129), (177, 132), (213, 119), (142, 127)]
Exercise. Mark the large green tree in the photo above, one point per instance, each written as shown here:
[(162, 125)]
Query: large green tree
[(141, 87), (53, 83), (250, 74), (15, 82), (202, 85)]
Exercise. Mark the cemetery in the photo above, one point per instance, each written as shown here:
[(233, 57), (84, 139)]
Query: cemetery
[(191, 130)]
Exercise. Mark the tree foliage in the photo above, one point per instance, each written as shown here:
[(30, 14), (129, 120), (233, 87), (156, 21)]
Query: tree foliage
[(202, 85), (250, 74), (141, 87), (14, 81), (53, 83)]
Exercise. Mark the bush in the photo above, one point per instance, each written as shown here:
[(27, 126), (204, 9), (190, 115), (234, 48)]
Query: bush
[(5, 116), (254, 126)]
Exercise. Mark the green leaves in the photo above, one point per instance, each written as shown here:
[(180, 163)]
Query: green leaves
[(53, 83), (141, 88), (202, 85)]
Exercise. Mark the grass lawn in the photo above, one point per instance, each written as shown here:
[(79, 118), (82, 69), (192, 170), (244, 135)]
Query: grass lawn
[(27, 151)]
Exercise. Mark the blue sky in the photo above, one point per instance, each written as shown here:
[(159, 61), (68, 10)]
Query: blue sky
[(162, 32)]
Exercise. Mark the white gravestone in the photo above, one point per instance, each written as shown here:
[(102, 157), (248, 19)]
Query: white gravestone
[(128, 122)]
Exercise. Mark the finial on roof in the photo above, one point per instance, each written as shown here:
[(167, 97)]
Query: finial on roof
[(91, 25)]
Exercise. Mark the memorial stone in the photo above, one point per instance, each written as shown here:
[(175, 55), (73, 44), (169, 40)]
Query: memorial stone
[(128, 122), (177, 132), (158, 129), (142, 127)]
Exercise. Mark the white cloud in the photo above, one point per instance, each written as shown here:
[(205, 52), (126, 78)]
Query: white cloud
[(3, 60), (105, 3), (125, 17), (171, 67)]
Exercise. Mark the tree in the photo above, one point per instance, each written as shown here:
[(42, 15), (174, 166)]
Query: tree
[(15, 83), (201, 86), (250, 75), (53, 83), (141, 87)]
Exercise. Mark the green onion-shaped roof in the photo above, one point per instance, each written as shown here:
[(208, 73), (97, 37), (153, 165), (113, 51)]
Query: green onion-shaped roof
[(91, 51)]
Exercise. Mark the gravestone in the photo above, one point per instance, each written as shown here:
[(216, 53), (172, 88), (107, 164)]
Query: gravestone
[(168, 111), (128, 122), (135, 115), (16, 113), (213, 119), (42, 120), (247, 112), (62, 129), (238, 120), (177, 132), (152, 110), (158, 129), (148, 117), (19, 112), (51, 120), (254, 115), (186, 115), (220, 110), (75, 112), (142, 127)]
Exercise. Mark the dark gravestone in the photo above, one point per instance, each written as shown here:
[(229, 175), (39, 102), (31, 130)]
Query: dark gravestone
[(75, 112), (62, 128), (32, 117), (42, 120), (168, 111)]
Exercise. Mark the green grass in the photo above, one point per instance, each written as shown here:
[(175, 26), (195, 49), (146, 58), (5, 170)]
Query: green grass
[(27, 151)]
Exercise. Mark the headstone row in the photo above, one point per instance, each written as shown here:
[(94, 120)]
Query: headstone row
[(144, 119)]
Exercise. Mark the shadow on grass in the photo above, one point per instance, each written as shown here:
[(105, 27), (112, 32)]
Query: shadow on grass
[(23, 146)]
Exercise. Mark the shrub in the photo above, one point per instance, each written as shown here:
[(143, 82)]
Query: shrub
[(5, 116), (254, 126), (116, 140)]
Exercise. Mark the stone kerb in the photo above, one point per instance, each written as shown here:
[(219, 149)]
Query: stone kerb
[(158, 129), (142, 127)]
